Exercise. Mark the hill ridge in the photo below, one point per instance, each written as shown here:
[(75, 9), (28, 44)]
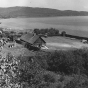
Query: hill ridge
[(18, 11)]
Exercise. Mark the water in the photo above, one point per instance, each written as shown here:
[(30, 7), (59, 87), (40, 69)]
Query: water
[(77, 25)]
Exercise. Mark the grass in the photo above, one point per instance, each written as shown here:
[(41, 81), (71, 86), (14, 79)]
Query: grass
[(18, 50), (58, 42), (59, 39)]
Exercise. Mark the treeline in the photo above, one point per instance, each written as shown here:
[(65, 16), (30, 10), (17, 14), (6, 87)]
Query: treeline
[(55, 32), (47, 32), (67, 62)]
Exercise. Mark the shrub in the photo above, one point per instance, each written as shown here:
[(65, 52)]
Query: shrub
[(30, 71), (44, 85), (59, 86), (19, 71), (41, 59), (9, 72), (85, 84), (62, 78), (68, 62), (49, 78), (72, 84)]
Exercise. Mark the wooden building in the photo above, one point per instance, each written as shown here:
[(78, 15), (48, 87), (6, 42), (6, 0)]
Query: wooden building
[(32, 41)]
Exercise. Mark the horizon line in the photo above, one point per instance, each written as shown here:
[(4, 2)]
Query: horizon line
[(45, 8)]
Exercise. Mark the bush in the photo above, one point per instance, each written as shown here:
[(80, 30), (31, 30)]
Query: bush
[(69, 62), (30, 71), (20, 71), (78, 81), (44, 85), (24, 70), (73, 83), (59, 86), (49, 78), (9, 71), (62, 78)]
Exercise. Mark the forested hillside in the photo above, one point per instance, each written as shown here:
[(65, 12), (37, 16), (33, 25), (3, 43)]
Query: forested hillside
[(12, 12)]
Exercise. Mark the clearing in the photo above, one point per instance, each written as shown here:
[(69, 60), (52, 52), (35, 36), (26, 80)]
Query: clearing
[(63, 43)]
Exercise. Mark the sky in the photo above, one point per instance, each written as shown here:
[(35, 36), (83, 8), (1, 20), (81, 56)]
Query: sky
[(79, 5)]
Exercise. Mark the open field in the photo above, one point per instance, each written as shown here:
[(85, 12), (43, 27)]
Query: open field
[(63, 43), (77, 25)]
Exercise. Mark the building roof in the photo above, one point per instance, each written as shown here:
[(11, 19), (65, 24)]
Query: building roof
[(30, 38)]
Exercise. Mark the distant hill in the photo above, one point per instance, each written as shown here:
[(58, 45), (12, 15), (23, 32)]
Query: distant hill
[(13, 12)]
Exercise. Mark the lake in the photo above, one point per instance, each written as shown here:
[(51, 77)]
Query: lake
[(77, 25)]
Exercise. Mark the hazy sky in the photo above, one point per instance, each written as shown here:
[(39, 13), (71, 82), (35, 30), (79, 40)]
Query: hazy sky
[(81, 5)]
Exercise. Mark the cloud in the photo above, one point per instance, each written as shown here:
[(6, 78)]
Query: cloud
[(68, 4), (9, 3), (38, 3)]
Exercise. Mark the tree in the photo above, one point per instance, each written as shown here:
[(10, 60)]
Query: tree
[(63, 33), (37, 31)]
